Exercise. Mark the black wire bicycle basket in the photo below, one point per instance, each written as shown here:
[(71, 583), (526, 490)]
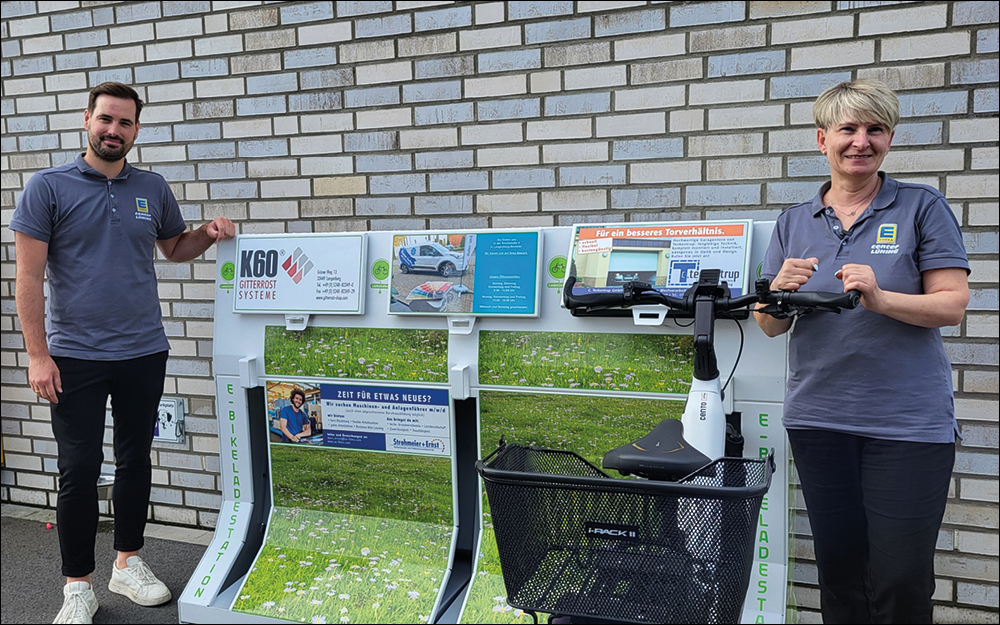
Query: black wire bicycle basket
[(575, 541)]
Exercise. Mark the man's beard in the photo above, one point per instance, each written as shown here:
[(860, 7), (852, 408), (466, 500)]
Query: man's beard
[(110, 155)]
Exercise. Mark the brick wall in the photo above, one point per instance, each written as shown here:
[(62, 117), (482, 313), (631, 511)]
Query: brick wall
[(330, 116)]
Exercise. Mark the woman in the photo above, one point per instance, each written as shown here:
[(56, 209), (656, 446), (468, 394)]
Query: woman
[(869, 408)]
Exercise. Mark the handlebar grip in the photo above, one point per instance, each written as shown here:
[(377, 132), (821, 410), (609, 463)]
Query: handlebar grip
[(586, 301), (848, 300)]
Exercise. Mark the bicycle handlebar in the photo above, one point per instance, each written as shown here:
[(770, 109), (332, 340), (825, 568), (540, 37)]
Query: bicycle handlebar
[(779, 302)]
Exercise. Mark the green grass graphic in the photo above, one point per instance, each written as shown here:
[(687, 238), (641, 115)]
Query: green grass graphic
[(589, 426), (357, 353), (649, 363)]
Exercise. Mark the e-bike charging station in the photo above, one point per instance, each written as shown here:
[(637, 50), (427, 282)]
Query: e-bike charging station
[(414, 361)]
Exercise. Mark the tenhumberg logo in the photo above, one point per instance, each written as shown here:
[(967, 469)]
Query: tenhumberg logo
[(612, 531)]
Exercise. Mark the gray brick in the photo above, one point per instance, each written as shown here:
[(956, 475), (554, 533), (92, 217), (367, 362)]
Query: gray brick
[(212, 150), (362, 7), (664, 71), (176, 366), (154, 134), (508, 109), (10, 48), (799, 166), (372, 96), (977, 464), (746, 63), (185, 7), (222, 171), (78, 60), (506, 61), (805, 85), (168, 495), (972, 72), (707, 13), (542, 32), (441, 43), (86, 39), (260, 106), (19, 8), (452, 18), (382, 162), (790, 192), (383, 206), (578, 104), (156, 73), (298, 13), (263, 148), (986, 100), (196, 132), (208, 110), (981, 243), (432, 91), (941, 103), (647, 148), (310, 57), (34, 123), (437, 204), (722, 195), (383, 26), (37, 65), (523, 10), (655, 197), (925, 133), (38, 142), (523, 178), (592, 175), (326, 78), (577, 54), (137, 12), (122, 74), (204, 67), (398, 184), (977, 12), (450, 66), (460, 181), (71, 21), (444, 113), (609, 24), (444, 160), (232, 190), (371, 141), (314, 101), (103, 16), (273, 83)]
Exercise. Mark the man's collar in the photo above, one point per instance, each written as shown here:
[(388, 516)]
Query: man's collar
[(84, 167)]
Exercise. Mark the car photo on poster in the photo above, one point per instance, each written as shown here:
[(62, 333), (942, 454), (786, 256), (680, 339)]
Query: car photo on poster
[(433, 273), (430, 256)]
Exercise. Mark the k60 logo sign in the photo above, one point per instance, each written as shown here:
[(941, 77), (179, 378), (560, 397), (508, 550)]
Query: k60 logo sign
[(300, 273)]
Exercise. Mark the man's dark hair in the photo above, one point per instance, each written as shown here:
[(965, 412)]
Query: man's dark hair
[(299, 393), (115, 90)]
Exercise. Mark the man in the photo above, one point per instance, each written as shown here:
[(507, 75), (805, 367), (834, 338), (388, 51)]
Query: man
[(293, 420), (93, 223)]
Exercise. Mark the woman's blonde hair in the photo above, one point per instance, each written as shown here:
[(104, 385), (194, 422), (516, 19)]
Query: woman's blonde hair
[(868, 101)]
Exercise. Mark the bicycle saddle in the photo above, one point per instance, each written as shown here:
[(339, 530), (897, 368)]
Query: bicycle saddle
[(663, 454)]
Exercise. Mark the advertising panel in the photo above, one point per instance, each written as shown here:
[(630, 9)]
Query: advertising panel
[(669, 256), (316, 273)]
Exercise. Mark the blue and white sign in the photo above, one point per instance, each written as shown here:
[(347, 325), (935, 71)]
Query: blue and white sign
[(386, 418)]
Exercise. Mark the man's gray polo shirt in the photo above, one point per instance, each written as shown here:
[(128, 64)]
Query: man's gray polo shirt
[(103, 302), (859, 372)]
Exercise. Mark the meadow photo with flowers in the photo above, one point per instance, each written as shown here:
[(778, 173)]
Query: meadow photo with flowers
[(354, 536), (636, 363), (587, 425), (357, 353)]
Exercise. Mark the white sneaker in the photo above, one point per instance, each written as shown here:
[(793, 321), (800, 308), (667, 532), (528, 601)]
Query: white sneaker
[(79, 604), (138, 583)]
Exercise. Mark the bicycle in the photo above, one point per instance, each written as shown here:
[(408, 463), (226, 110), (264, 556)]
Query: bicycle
[(672, 547)]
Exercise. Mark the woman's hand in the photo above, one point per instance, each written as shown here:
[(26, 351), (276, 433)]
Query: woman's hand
[(862, 278), (794, 273)]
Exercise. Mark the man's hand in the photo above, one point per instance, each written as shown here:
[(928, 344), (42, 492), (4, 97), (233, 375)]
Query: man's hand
[(220, 228), (43, 375)]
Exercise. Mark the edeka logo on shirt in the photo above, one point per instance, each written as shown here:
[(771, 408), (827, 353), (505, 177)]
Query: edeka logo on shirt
[(885, 243), (142, 208)]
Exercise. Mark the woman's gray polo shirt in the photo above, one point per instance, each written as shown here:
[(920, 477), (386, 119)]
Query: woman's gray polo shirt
[(860, 372), (103, 302)]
